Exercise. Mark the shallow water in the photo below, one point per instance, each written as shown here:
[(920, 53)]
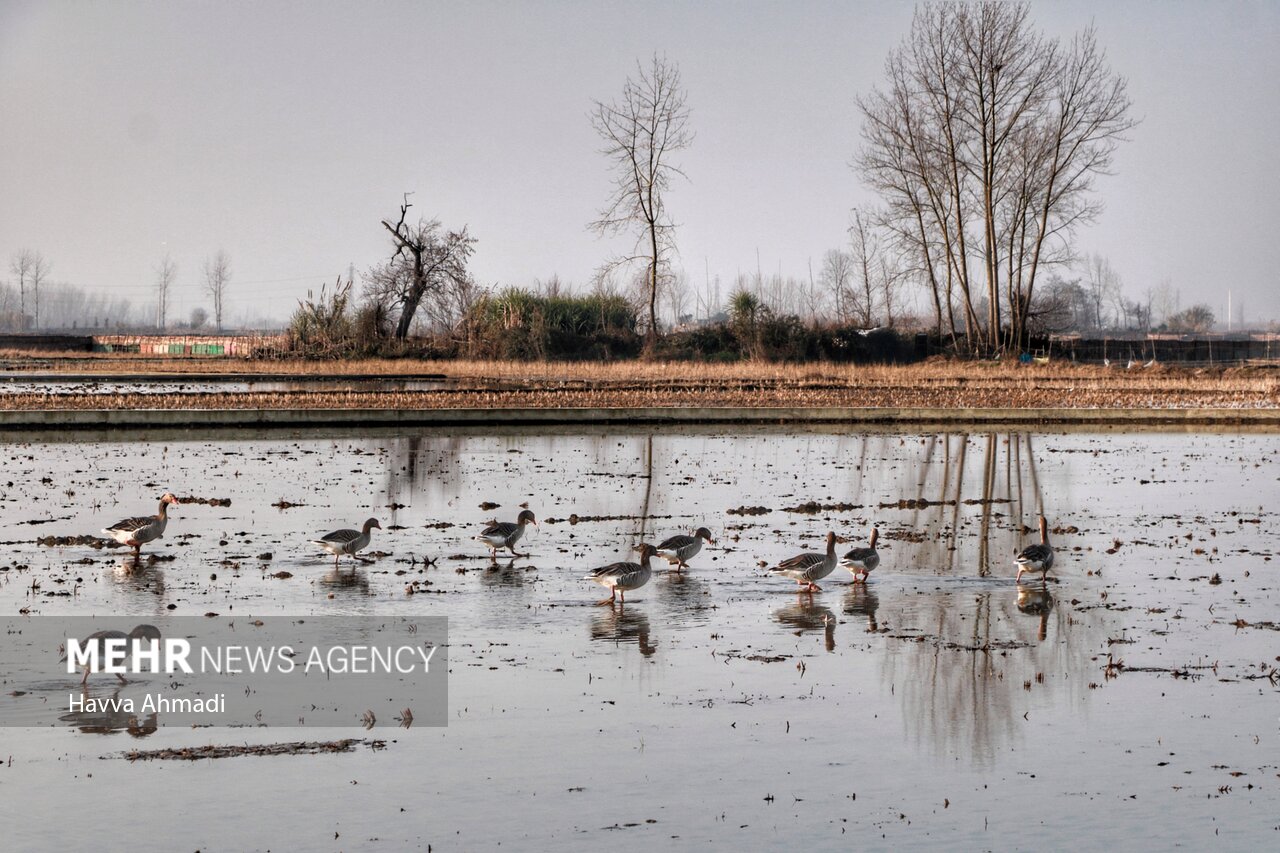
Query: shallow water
[(941, 705)]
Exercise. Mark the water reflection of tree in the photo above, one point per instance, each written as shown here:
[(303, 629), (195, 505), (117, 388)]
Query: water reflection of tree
[(961, 678), (944, 479)]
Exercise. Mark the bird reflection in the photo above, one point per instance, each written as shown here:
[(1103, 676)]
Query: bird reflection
[(502, 573), (623, 625), (805, 616), (351, 581), (680, 590), (109, 721), (138, 576), (1035, 600), (861, 600)]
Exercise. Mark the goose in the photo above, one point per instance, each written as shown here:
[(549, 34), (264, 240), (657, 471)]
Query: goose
[(1036, 558), (679, 550), (136, 532), (808, 567), (99, 639), (350, 542), (506, 534), (861, 561), (620, 577)]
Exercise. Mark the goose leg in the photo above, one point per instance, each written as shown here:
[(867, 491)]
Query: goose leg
[(123, 680), (1018, 579)]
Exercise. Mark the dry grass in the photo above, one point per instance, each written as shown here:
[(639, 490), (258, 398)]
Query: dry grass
[(945, 384)]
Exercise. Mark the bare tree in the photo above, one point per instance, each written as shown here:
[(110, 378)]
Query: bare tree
[(642, 131), (166, 274), (837, 275), (984, 144), (428, 261), (1102, 283), (217, 277), (32, 271), (867, 269), (1166, 301), (1198, 319), (675, 291)]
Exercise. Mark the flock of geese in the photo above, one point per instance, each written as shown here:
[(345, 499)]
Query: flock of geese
[(619, 578)]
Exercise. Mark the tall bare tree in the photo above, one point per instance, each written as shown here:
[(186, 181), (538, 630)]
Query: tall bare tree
[(984, 143), (642, 131), (1102, 283), (837, 275), (166, 274), (428, 261), (867, 269), (217, 278), (32, 271)]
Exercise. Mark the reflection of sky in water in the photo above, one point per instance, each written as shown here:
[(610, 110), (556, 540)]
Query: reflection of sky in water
[(939, 679)]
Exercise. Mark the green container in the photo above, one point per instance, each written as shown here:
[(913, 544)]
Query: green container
[(176, 349), (216, 349)]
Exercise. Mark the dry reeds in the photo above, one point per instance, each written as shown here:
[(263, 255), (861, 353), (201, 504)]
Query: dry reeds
[(940, 384)]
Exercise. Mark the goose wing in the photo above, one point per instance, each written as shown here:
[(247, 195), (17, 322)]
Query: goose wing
[(613, 570), (340, 537), (866, 556), (132, 525), (799, 563), (499, 528), (1035, 554), (675, 543)]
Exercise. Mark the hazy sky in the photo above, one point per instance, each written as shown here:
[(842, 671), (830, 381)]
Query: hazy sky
[(283, 132)]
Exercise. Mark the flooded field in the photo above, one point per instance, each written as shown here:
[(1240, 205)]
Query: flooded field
[(1134, 695)]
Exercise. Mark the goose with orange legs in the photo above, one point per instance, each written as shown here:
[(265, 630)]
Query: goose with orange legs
[(348, 542), (136, 532), (861, 561), (619, 578), (679, 550), (808, 568)]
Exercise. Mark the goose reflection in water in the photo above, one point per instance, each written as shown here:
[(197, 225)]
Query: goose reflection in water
[(624, 625), (861, 600), (806, 616), (1036, 600), (109, 720), (352, 581), (502, 573), (137, 577)]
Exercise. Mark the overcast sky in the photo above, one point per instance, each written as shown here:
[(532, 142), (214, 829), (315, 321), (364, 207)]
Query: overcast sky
[(283, 131)]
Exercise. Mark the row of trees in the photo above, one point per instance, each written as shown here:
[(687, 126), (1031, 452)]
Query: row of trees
[(215, 283), (1096, 300), (33, 301)]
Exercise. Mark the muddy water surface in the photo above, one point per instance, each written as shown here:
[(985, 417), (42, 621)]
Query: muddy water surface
[(1130, 701)]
